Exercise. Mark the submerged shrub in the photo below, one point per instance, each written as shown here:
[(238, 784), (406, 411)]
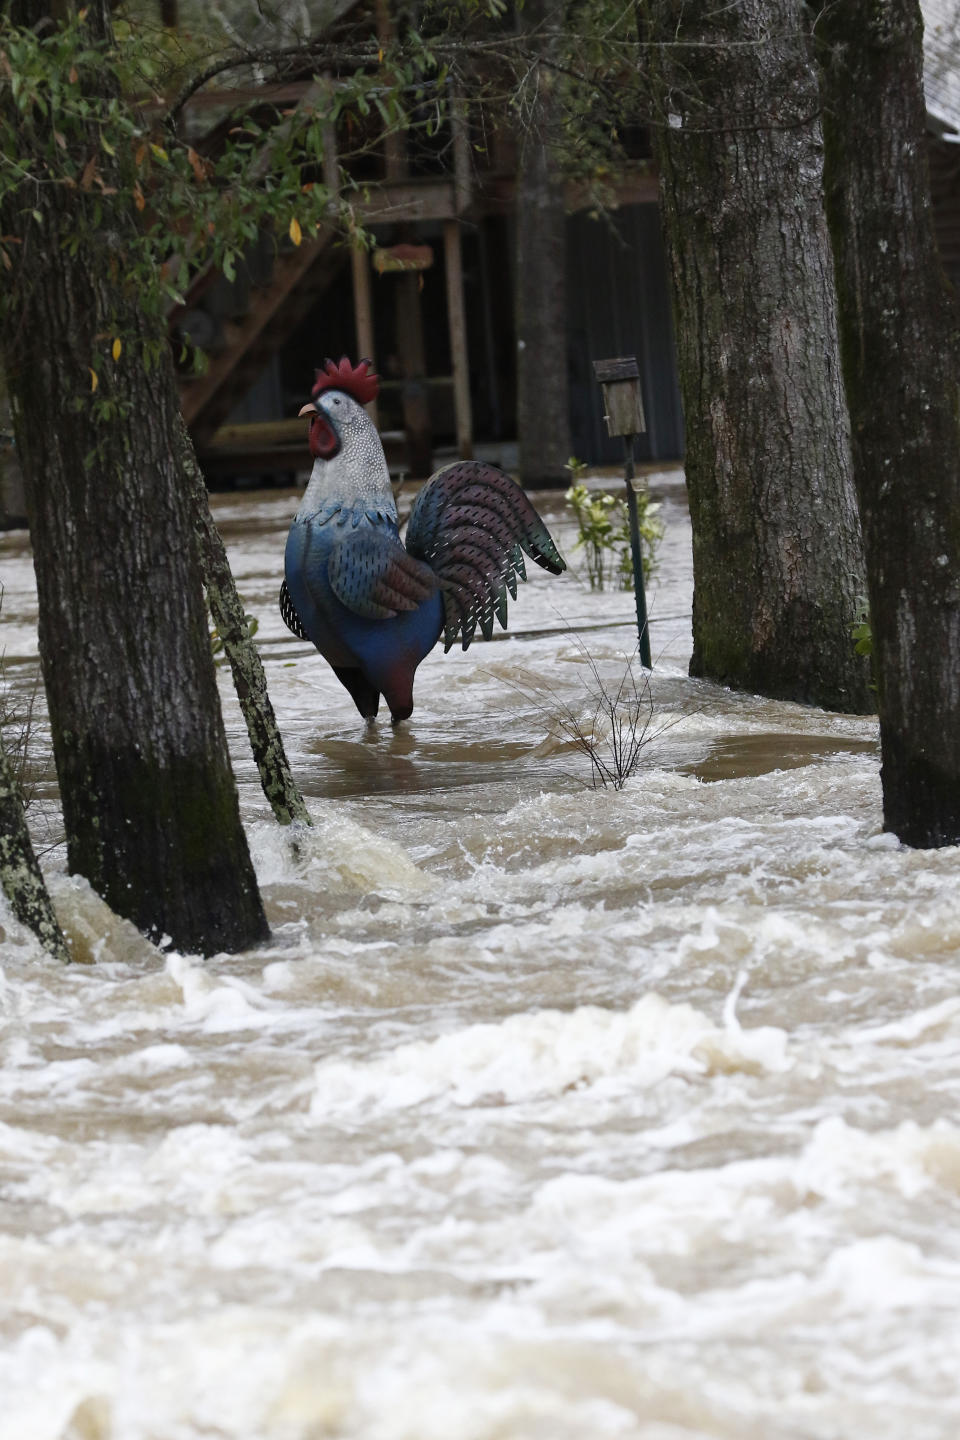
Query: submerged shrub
[(603, 525)]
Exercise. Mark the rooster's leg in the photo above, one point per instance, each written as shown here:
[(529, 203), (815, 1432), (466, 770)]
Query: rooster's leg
[(366, 696)]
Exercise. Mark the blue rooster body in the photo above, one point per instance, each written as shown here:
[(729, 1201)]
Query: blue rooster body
[(384, 650), (373, 606)]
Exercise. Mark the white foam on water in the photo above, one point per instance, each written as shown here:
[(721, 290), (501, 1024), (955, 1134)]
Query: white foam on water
[(549, 1052), (94, 934), (334, 853)]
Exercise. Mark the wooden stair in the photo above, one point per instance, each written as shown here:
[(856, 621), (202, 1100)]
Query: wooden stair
[(274, 310)]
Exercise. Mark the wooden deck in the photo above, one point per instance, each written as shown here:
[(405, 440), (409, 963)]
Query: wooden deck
[(269, 446)]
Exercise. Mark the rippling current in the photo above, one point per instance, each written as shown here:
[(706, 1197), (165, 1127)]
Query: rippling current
[(548, 1113)]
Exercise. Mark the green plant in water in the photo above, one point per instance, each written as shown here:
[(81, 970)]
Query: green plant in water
[(861, 630), (604, 531)]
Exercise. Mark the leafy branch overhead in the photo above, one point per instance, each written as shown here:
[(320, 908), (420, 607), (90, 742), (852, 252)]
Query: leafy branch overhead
[(107, 117), (91, 116)]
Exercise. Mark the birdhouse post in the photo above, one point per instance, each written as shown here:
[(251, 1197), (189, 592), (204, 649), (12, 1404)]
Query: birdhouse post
[(623, 412)]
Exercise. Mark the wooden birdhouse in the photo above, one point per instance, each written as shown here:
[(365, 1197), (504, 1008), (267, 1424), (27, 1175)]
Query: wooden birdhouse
[(622, 398)]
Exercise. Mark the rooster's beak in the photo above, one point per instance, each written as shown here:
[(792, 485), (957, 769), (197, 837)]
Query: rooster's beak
[(308, 409)]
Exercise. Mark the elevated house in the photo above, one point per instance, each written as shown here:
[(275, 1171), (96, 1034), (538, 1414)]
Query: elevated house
[(445, 341), (441, 335)]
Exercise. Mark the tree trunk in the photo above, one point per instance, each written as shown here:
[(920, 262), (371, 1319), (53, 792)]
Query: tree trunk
[(226, 610), (19, 872), (149, 800), (900, 359), (543, 402), (776, 539)]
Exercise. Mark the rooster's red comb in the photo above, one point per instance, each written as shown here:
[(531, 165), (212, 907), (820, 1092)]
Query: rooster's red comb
[(354, 380)]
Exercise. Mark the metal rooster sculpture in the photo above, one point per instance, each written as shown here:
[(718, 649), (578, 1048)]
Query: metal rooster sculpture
[(372, 606)]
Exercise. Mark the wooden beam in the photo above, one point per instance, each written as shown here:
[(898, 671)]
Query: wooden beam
[(230, 97), (363, 314), (457, 321), (408, 200), (275, 445), (499, 193)]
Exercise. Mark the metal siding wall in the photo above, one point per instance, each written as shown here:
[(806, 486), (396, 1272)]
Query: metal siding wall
[(619, 304)]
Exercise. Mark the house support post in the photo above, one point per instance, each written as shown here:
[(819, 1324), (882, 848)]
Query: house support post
[(413, 363), (456, 315), (363, 313)]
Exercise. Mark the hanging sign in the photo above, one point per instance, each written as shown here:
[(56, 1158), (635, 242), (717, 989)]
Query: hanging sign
[(394, 258)]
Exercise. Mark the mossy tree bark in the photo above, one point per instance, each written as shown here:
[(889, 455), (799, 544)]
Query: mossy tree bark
[(250, 682), (20, 874), (900, 360), (543, 399), (149, 800), (776, 539)]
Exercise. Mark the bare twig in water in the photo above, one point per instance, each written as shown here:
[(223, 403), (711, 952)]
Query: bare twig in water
[(614, 728), (28, 757), (17, 722)]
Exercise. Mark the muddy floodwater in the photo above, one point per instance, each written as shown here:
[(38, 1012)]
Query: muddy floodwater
[(547, 1114)]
